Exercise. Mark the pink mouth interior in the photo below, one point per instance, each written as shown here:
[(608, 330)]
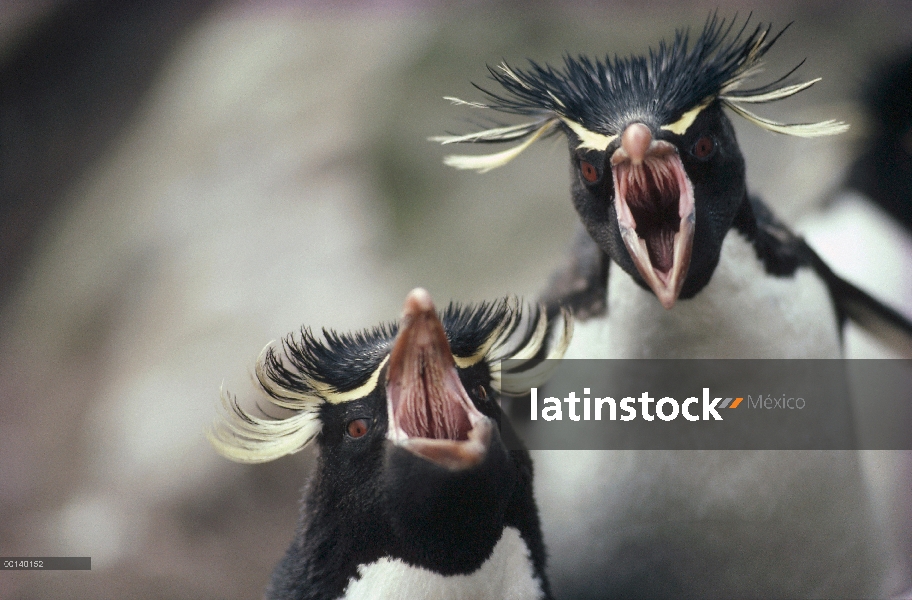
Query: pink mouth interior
[(652, 194), (432, 405), (430, 413)]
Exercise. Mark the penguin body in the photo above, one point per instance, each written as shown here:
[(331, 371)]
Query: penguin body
[(421, 489), (713, 524), (710, 523), (676, 260), (879, 258), (873, 208)]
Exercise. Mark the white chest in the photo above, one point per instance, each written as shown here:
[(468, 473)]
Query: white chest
[(710, 523), (507, 575), (742, 313)]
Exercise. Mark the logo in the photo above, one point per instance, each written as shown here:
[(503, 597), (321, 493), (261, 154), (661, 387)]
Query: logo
[(666, 408)]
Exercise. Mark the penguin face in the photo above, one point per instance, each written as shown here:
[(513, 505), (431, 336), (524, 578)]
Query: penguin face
[(418, 398), (352, 430), (435, 502), (657, 175), (422, 450), (659, 203), (406, 417)]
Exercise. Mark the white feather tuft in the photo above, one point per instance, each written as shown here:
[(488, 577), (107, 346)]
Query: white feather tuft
[(485, 162), (518, 380), (536, 341), (783, 92), (242, 437), (497, 134), (589, 139), (807, 130), (460, 102), (509, 72)]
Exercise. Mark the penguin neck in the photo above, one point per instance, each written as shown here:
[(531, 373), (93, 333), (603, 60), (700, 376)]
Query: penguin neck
[(509, 572), (329, 544), (743, 312), (340, 553)]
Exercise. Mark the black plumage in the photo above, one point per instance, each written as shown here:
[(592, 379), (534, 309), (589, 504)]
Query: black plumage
[(883, 171), (604, 96), (345, 361), (418, 479)]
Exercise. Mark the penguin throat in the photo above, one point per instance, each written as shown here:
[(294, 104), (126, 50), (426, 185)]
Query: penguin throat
[(655, 211)]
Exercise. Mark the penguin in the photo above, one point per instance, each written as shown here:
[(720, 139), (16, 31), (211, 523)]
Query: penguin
[(676, 259), (654, 130), (873, 203), (883, 170), (872, 206), (421, 488)]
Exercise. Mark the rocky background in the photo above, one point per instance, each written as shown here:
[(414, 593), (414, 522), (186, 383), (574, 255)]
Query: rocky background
[(183, 182)]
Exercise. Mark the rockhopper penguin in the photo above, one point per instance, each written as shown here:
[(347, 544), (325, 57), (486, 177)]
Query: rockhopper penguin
[(701, 269), (659, 182), (421, 489), (873, 208), (873, 205)]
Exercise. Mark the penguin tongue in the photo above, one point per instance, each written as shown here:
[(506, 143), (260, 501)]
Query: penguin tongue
[(430, 413), (655, 211)]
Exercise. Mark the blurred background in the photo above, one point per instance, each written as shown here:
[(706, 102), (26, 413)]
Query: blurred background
[(182, 182)]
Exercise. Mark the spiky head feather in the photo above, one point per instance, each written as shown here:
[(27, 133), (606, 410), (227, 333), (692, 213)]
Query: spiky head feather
[(301, 373), (666, 90)]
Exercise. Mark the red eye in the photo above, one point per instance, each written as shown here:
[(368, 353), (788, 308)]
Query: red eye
[(704, 147), (357, 428), (589, 172)]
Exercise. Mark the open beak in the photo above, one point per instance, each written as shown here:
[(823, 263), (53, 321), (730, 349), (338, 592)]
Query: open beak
[(655, 210), (430, 412)]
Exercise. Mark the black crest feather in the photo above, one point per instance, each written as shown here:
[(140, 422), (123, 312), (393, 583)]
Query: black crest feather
[(604, 95), (345, 361), (342, 361)]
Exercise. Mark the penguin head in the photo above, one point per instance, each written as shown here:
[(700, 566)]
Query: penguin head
[(646, 194), (408, 423), (657, 175)]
